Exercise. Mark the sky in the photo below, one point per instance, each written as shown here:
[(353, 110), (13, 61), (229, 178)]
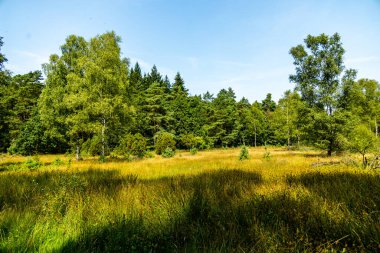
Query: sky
[(214, 44)]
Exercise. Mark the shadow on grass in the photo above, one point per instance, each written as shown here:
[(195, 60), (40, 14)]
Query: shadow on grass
[(7, 165), (221, 212), (356, 196), (359, 192), (219, 217), (21, 190), (209, 219)]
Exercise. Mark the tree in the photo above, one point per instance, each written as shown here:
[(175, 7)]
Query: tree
[(133, 145), (258, 122), (5, 81), (105, 84), (244, 120), (285, 118), (180, 107), (61, 104), (34, 140), (318, 70), (162, 141), (369, 100), (135, 83), (268, 105), (24, 93), (18, 99), (85, 91), (362, 140), (223, 128), (154, 109)]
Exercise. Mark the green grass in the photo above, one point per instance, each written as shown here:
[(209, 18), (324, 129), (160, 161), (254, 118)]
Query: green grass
[(210, 202)]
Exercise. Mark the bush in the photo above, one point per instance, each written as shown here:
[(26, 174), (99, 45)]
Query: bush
[(162, 141), (32, 163), (57, 162), (92, 146), (244, 154), (193, 151), (267, 155), (362, 140), (34, 138), (191, 141), (132, 145), (168, 152)]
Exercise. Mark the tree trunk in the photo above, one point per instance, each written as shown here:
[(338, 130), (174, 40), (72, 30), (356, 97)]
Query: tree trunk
[(255, 136), (298, 142), (364, 161), (376, 128), (287, 124), (103, 139), (77, 153), (330, 148)]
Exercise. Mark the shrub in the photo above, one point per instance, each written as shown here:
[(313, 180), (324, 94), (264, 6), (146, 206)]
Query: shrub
[(191, 141), (133, 145), (362, 140), (149, 154), (32, 163), (57, 162), (162, 141), (168, 152), (193, 151), (267, 155), (92, 146), (244, 154)]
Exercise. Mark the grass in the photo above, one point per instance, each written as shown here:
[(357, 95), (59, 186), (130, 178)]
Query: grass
[(209, 202)]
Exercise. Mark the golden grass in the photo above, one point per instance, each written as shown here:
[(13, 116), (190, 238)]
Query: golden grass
[(211, 200)]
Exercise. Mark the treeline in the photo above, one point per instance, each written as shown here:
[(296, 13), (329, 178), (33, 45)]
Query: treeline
[(92, 101)]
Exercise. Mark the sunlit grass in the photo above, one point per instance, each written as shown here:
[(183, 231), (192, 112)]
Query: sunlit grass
[(205, 202)]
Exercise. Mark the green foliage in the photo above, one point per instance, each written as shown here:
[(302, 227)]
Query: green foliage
[(244, 153), (33, 139), (92, 146), (149, 154), (135, 145), (168, 152), (91, 97), (81, 110), (193, 151), (285, 122), (267, 155), (362, 140), (191, 141), (102, 158), (318, 70), (32, 163), (57, 162), (164, 140)]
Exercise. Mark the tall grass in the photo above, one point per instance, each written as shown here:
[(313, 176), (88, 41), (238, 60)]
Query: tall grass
[(208, 202)]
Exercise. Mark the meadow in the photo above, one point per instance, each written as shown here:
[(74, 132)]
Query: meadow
[(276, 201)]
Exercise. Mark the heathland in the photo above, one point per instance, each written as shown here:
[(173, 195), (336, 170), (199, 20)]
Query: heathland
[(275, 201)]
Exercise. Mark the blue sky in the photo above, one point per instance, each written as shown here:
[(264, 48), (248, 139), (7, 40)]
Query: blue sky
[(213, 44)]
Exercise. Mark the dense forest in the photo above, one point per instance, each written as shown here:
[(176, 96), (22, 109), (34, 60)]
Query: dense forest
[(92, 101)]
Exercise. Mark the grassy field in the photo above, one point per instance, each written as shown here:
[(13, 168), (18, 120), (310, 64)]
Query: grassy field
[(210, 202)]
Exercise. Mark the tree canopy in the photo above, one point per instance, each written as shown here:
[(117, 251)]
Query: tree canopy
[(91, 100)]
